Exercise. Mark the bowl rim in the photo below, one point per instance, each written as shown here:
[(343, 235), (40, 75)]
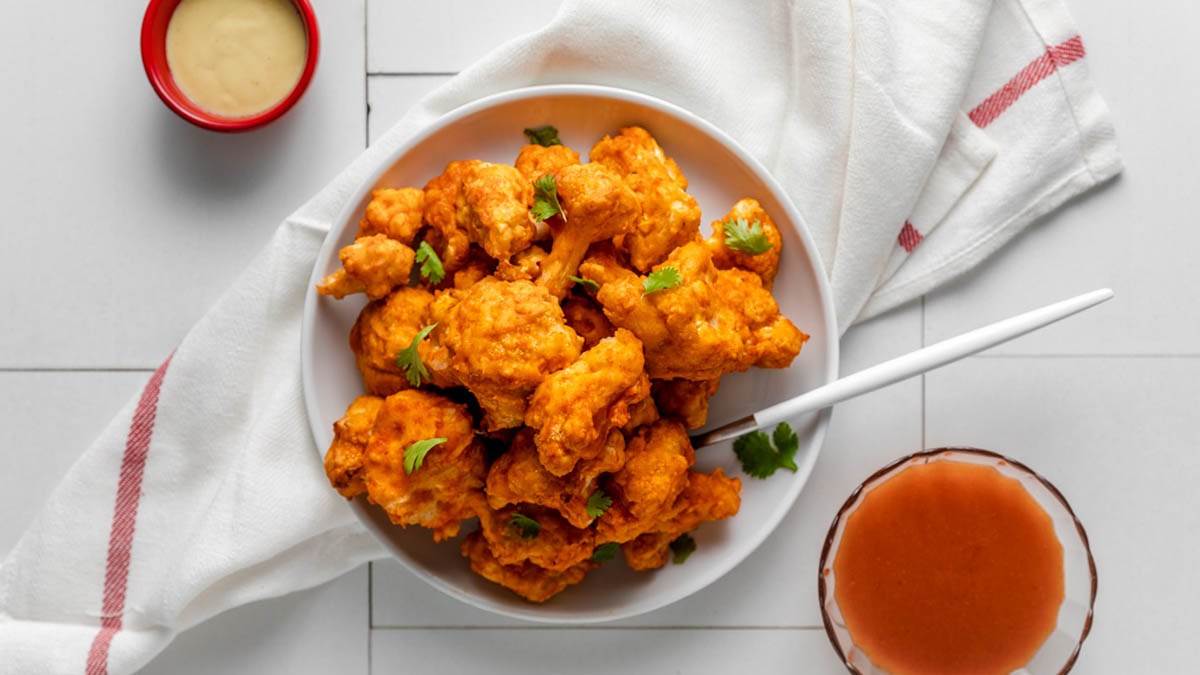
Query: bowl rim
[(154, 60), (822, 590), (385, 162)]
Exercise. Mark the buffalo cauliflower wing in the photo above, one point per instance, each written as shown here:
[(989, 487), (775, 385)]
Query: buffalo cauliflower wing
[(535, 584), (645, 488), (774, 340), (765, 264), (553, 543), (395, 213), (344, 460), (373, 265), (706, 497), (535, 161), (685, 400), (384, 327)]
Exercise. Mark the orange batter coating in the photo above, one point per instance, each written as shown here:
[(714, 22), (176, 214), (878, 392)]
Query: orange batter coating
[(645, 488), (598, 206), (383, 328), (444, 488), (706, 497), (527, 580), (344, 460), (524, 266), (586, 318), (685, 400), (573, 409), (518, 476), (557, 546), (641, 413), (395, 213), (535, 161), (448, 235), (502, 338), (774, 340), (764, 264), (670, 216), (374, 265), (493, 205)]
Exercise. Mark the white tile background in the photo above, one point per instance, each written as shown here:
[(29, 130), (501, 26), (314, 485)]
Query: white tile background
[(124, 223)]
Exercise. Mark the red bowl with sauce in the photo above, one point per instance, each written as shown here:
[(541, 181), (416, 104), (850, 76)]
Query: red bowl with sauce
[(154, 58), (956, 560)]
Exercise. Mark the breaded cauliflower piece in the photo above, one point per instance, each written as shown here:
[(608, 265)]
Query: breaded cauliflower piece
[(502, 338), (518, 476), (527, 580), (706, 497), (493, 205), (386, 326), (774, 340), (685, 400), (557, 546), (573, 409), (344, 460), (448, 234), (395, 213), (374, 265), (765, 264), (444, 489), (535, 161), (524, 266), (645, 488), (586, 318), (670, 217)]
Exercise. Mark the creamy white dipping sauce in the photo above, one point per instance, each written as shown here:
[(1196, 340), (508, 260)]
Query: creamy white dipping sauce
[(236, 57)]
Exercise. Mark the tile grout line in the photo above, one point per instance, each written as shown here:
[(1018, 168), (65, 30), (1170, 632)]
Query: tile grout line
[(548, 627), (396, 73)]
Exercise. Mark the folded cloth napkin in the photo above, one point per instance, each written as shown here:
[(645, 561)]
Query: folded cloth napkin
[(915, 137)]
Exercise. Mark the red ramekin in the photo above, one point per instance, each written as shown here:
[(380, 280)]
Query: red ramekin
[(154, 58)]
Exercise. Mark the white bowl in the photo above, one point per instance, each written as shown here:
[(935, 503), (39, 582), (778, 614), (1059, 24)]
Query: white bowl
[(719, 173)]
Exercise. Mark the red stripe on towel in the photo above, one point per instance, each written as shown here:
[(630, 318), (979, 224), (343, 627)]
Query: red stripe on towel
[(1039, 69), (909, 237), (120, 538)]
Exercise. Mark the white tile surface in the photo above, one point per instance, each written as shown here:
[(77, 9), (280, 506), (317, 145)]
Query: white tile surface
[(390, 96), (445, 36), (320, 630), (123, 223), (603, 651), (1118, 437)]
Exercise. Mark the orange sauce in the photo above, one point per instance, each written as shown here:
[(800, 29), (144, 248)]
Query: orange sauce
[(949, 567)]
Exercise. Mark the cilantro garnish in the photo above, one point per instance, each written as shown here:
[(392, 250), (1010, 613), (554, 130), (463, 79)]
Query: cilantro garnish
[(544, 136), (586, 283), (605, 552), (682, 547), (745, 237), (431, 264), (528, 526), (414, 455), (410, 360), (545, 198), (760, 458), (598, 503), (661, 280)]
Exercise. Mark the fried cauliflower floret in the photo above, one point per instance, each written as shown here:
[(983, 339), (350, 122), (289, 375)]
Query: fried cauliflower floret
[(502, 338), (524, 266), (706, 497), (556, 546), (670, 217), (573, 409), (764, 264), (646, 487), (597, 206), (688, 331), (395, 213), (448, 235), (344, 460), (535, 161), (641, 413), (383, 328), (527, 580), (444, 489), (493, 205), (774, 340), (585, 317), (685, 400), (518, 476), (374, 265)]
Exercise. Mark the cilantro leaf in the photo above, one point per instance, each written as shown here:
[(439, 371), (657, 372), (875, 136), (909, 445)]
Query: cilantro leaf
[(545, 198), (414, 455), (528, 526), (746, 237), (661, 280), (409, 360), (431, 264), (760, 458), (586, 283), (605, 552), (598, 503), (544, 136), (683, 546)]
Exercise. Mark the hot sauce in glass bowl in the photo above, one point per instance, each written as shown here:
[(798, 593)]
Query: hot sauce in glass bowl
[(956, 561)]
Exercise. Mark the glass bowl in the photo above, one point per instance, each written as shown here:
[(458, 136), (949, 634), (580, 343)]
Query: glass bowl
[(1058, 653)]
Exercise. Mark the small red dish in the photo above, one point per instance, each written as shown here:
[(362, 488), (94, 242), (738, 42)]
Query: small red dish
[(154, 58)]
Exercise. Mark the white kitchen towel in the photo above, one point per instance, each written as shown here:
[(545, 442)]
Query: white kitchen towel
[(206, 491)]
